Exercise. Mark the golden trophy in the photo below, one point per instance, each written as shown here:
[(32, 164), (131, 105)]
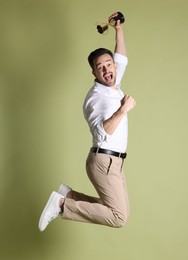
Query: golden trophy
[(102, 27)]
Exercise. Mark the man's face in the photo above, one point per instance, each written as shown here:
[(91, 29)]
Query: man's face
[(105, 70)]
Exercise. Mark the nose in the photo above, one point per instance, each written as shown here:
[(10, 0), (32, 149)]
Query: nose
[(104, 69)]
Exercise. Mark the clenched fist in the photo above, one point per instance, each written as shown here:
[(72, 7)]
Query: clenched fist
[(127, 103)]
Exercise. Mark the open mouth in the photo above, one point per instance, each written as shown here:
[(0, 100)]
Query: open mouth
[(108, 77)]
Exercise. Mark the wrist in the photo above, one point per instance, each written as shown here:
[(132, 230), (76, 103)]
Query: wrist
[(122, 110)]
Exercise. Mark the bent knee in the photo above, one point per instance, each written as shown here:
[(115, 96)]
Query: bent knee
[(120, 221)]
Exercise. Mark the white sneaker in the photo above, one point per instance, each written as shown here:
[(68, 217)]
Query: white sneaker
[(51, 210), (64, 189)]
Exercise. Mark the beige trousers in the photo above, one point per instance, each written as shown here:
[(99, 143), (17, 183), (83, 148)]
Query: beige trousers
[(112, 207)]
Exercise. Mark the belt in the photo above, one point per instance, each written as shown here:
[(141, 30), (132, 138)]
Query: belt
[(109, 152)]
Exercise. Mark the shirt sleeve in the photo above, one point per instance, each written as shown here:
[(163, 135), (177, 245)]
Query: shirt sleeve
[(121, 64), (99, 134), (95, 114)]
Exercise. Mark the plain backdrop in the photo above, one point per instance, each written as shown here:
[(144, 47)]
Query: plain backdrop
[(44, 140)]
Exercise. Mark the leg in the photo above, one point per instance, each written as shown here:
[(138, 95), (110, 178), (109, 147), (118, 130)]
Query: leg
[(105, 174), (112, 209)]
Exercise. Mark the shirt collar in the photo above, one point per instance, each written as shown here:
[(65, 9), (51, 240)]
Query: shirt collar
[(105, 88), (107, 91)]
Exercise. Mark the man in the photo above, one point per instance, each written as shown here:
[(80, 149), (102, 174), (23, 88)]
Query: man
[(105, 110)]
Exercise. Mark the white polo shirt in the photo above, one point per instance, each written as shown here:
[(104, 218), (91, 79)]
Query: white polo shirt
[(100, 103)]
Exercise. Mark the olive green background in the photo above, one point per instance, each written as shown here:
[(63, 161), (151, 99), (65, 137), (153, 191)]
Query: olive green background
[(44, 139)]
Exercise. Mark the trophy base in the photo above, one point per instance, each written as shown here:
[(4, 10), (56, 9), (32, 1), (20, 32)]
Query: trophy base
[(102, 28)]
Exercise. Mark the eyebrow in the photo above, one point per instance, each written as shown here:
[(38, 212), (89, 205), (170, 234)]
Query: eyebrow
[(100, 62)]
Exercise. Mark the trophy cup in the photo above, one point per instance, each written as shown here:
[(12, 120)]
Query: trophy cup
[(103, 27)]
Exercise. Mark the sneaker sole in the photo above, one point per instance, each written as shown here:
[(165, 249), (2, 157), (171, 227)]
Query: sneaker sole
[(46, 207)]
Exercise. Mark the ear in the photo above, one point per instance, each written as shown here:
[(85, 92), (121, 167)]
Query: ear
[(93, 72)]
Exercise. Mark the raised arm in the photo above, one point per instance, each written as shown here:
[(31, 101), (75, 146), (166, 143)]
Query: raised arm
[(119, 37), (128, 102)]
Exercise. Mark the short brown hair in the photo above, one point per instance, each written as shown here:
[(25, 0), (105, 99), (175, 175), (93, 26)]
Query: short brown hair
[(97, 53)]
